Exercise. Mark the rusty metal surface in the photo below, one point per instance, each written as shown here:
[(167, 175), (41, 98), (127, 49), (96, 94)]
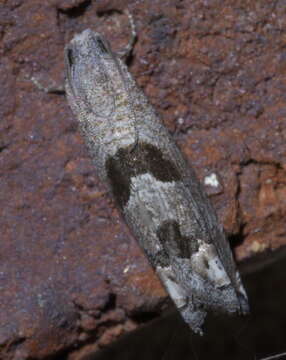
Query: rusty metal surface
[(70, 272)]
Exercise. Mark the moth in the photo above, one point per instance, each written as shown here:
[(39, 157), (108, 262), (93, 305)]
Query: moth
[(156, 190)]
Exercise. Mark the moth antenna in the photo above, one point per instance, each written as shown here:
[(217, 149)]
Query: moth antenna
[(127, 50)]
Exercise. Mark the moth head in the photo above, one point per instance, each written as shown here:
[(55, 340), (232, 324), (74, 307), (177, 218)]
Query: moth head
[(88, 64)]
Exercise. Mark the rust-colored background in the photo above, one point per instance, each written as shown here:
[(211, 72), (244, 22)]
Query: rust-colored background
[(72, 278)]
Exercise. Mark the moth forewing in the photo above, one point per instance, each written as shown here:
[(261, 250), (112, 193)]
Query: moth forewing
[(155, 189)]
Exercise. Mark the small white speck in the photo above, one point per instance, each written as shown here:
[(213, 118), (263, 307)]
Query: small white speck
[(180, 121), (41, 301), (211, 180), (126, 269)]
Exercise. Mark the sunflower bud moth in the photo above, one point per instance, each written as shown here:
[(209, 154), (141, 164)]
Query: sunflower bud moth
[(156, 190)]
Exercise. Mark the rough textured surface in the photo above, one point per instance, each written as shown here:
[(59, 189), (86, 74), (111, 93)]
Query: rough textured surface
[(70, 272)]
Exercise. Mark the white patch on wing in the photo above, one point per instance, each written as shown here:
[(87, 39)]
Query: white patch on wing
[(176, 291), (154, 200), (206, 263)]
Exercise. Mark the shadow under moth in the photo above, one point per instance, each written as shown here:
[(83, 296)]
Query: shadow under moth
[(156, 190)]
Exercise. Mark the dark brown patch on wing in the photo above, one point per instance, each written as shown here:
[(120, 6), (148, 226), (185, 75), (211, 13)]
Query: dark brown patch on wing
[(132, 161), (161, 258), (174, 242)]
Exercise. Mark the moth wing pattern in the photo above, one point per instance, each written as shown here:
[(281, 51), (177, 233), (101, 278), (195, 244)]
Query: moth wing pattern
[(182, 224), (157, 192)]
